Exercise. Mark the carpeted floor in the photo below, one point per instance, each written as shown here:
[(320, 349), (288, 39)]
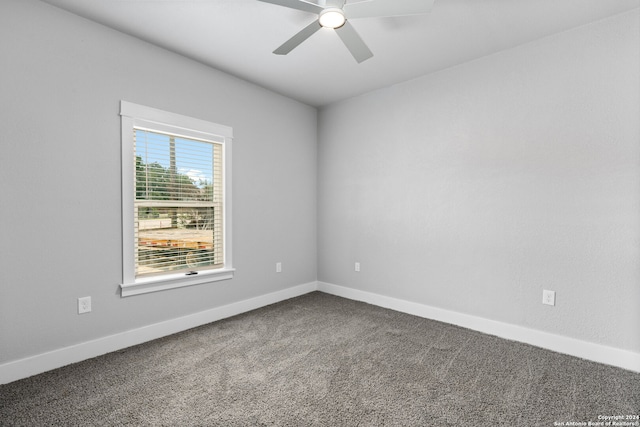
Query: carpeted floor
[(320, 360)]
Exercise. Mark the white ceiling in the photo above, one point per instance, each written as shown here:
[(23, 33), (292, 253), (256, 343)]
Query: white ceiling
[(238, 37)]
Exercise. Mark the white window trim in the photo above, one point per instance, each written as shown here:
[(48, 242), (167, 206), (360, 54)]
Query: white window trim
[(139, 115)]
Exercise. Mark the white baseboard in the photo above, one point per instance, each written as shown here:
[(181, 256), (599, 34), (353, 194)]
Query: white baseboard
[(571, 346), (23, 368), (40, 363)]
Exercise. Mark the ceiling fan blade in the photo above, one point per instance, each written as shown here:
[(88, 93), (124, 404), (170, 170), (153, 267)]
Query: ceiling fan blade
[(294, 41), (354, 42), (296, 4), (382, 8), (334, 3)]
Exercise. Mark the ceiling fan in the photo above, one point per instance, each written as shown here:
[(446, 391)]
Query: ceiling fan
[(335, 14)]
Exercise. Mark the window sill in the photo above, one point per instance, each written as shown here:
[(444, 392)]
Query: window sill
[(155, 284)]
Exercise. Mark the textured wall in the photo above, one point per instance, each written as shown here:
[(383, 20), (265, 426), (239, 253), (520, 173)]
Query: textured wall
[(61, 81), (475, 188)]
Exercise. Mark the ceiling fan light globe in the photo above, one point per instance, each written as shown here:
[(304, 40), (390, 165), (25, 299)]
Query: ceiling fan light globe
[(332, 18)]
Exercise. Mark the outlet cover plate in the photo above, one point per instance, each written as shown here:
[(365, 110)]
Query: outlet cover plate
[(548, 297), (84, 305)]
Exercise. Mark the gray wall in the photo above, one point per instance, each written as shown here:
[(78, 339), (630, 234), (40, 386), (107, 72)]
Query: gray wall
[(61, 81), (471, 189), (475, 188)]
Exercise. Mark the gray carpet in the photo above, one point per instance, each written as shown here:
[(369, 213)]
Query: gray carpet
[(320, 360)]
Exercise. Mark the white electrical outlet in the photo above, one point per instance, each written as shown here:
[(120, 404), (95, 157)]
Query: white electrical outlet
[(84, 305), (357, 267), (278, 267), (548, 297)]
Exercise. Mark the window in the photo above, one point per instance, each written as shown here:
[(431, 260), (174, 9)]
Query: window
[(176, 200)]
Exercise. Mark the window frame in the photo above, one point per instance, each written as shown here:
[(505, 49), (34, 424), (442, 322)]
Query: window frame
[(134, 115)]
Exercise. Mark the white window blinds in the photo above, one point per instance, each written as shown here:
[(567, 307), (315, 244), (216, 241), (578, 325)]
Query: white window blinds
[(176, 200), (178, 204)]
